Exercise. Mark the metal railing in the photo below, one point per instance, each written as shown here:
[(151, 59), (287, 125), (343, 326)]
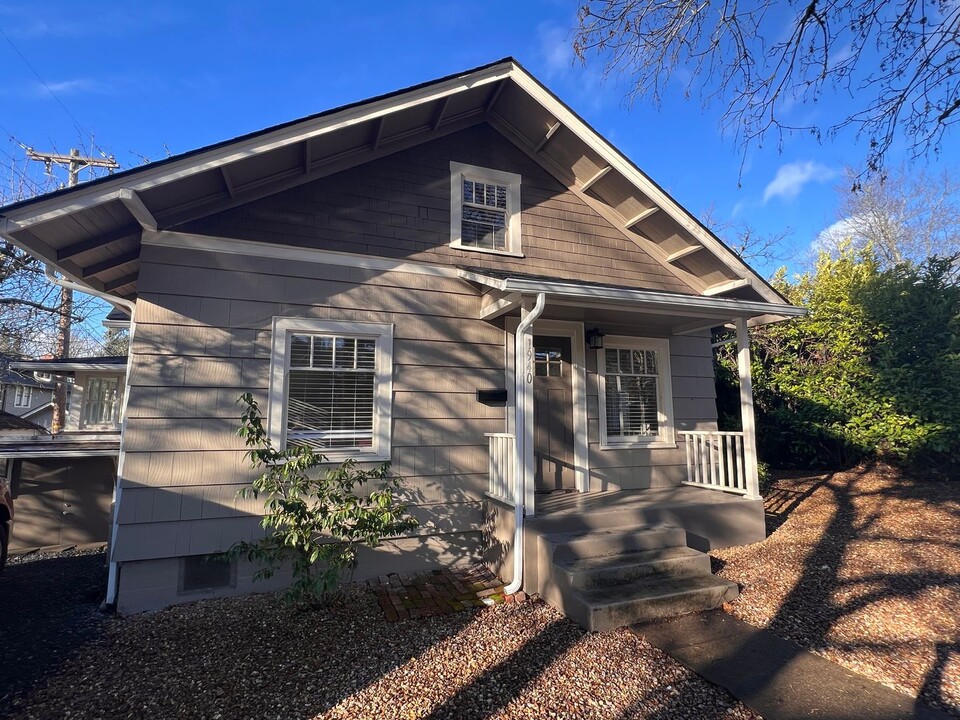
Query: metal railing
[(503, 475), (716, 461)]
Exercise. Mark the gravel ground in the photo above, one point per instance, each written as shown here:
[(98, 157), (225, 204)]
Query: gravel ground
[(864, 569), (48, 610), (253, 657)]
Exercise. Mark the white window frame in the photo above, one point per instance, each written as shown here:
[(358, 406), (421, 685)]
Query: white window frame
[(286, 327), (461, 171), (23, 396), (666, 436)]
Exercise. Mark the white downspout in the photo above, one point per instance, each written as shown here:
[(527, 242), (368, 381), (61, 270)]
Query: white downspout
[(520, 364), (113, 575), (70, 285)]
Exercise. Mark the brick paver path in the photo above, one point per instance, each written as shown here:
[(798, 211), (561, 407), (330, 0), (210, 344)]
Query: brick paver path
[(439, 592)]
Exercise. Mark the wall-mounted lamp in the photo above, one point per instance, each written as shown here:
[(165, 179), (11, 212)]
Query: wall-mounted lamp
[(595, 339)]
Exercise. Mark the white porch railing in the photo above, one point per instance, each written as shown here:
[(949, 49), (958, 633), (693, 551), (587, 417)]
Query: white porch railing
[(716, 460), (503, 476)]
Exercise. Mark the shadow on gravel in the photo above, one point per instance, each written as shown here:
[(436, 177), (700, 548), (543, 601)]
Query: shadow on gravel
[(498, 686), (49, 610), (844, 574)]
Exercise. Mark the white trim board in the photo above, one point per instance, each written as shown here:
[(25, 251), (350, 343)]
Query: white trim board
[(118, 368), (256, 248), (233, 152), (675, 303)]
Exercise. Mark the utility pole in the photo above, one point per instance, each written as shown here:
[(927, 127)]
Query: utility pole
[(74, 163)]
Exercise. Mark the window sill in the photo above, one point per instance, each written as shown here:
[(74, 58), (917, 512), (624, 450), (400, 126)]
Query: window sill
[(640, 445), (337, 458), (489, 251)]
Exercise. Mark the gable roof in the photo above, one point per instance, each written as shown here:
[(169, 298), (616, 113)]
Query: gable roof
[(12, 377), (92, 232), (9, 421)]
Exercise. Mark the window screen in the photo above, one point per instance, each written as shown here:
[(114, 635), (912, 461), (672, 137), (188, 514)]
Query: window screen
[(632, 406), (330, 391)]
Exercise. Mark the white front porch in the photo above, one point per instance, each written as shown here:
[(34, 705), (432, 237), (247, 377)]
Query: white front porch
[(620, 525)]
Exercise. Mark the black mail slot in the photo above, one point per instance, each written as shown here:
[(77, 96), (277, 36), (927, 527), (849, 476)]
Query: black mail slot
[(497, 396)]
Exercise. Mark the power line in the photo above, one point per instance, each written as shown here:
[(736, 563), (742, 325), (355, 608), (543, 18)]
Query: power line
[(76, 123)]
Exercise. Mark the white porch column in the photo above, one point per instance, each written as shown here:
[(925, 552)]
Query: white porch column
[(746, 411)]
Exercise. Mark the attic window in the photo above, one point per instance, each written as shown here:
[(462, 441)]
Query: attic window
[(484, 210)]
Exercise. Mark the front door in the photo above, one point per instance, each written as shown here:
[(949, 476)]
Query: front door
[(553, 414)]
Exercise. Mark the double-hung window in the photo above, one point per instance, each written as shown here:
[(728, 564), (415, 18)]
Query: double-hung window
[(101, 401), (331, 387), (484, 209), (23, 396), (636, 404)]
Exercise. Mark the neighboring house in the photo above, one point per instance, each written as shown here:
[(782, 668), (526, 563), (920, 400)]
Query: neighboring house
[(27, 395), (371, 274), (63, 483)]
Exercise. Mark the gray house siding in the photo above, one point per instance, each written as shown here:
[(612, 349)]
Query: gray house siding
[(399, 206), (203, 337), (40, 396)]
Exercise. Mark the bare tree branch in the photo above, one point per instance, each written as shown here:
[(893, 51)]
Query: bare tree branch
[(902, 59)]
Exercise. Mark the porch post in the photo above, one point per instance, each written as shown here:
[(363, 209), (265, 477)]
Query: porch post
[(746, 411)]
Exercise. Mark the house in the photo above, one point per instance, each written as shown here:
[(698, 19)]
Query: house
[(26, 395), (374, 275), (63, 483)]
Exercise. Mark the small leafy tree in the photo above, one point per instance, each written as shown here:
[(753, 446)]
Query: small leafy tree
[(315, 519)]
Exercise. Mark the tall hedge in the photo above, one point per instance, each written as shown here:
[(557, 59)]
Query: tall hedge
[(872, 371)]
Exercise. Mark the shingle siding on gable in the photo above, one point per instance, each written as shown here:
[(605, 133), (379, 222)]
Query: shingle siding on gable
[(399, 206)]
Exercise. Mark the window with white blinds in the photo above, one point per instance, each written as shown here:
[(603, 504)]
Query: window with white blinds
[(331, 387), (485, 209), (635, 403)]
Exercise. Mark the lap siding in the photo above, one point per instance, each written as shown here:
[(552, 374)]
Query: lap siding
[(204, 336)]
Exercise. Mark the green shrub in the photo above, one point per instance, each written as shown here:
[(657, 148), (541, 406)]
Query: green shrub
[(315, 519), (873, 371)]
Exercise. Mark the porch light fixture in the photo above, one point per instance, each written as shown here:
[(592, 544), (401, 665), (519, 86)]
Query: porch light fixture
[(595, 339)]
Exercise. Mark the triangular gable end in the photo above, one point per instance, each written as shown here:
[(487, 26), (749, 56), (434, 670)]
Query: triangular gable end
[(92, 232)]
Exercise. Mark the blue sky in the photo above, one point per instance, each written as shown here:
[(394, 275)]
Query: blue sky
[(147, 78)]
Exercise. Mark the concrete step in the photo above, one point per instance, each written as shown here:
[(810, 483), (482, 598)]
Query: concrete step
[(649, 599), (611, 541), (597, 572)]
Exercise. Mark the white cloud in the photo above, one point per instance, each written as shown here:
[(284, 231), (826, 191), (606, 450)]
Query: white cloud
[(556, 49), (792, 177), (77, 86), (833, 236)]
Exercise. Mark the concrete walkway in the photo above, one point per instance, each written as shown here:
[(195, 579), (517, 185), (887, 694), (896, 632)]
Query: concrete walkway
[(775, 677)]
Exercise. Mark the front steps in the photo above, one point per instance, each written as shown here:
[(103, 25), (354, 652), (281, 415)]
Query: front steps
[(609, 578)]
